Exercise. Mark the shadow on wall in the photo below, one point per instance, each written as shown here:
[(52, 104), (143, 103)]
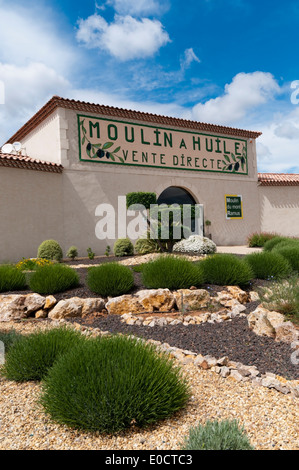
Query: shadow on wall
[(280, 209)]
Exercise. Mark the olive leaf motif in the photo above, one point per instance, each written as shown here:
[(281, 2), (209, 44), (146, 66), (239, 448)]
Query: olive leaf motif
[(234, 163), (98, 150)]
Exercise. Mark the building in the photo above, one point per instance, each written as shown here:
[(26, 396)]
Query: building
[(77, 155)]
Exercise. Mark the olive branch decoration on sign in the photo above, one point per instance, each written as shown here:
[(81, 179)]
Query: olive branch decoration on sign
[(234, 163), (99, 150)]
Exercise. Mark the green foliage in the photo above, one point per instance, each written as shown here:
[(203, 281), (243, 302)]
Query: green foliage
[(108, 250), (289, 243), (123, 247), (31, 356), (270, 244), (8, 338), (217, 435), (90, 253), (53, 278), (268, 265), (143, 246), (112, 383), (50, 249), (110, 279), (141, 198), (259, 239), (226, 269), (72, 252), (282, 297), (11, 279), (171, 272), (290, 252)]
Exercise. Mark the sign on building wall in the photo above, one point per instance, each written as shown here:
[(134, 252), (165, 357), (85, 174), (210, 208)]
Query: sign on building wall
[(125, 143), (233, 206)]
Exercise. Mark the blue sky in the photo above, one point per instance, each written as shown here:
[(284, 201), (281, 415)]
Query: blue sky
[(230, 62)]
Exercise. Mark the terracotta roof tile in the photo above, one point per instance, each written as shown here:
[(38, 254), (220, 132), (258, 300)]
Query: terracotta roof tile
[(82, 106), (21, 161), (278, 179)]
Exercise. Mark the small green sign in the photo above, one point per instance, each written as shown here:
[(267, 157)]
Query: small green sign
[(233, 206)]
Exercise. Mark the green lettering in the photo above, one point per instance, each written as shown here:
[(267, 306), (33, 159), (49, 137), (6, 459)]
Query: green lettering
[(144, 157), (142, 138), (237, 145), (196, 142), (133, 155), (157, 143), (94, 126), (167, 140), (112, 132), (175, 160), (224, 148), (183, 144), (218, 142), (132, 139), (209, 149)]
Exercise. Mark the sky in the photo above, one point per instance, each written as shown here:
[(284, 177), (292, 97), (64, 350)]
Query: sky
[(228, 62)]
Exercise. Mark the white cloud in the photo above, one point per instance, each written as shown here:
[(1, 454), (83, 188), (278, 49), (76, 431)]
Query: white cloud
[(246, 92), (189, 57), (287, 130), (139, 7), (125, 38), (26, 89)]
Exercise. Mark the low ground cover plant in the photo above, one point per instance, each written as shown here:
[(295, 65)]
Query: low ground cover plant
[(282, 297), (258, 240), (31, 356), (11, 279), (123, 247), (217, 435), (30, 264), (52, 279), (110, 279), (268, 265), (226, 269), (112, 383), (171, 272), (50, 249), (196, 244)]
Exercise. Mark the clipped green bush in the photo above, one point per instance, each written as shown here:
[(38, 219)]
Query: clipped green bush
[(11, 279), (268, 265), (72, 252), (171, 272), (270, 244), (123, 247), (31, 356), (112, 383), (141, 198), (259, 239), (8, 338), (226, 269), (290, 253), (54, 278), (217, 435), (110, 279), (50, 249)]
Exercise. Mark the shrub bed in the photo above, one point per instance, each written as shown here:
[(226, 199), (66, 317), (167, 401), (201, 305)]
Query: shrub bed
[(217, 435), (110, 279), (110, 384), (53, 279), (50, 249), (11, 279), (123, 247), (226, 269), (31, 357), (258, 240), (171, 272), (268, 265)]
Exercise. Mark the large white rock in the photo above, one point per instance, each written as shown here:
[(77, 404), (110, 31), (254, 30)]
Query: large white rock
[(76, 307), (263, 322), (144, 301), (18, 306), (192, 299)]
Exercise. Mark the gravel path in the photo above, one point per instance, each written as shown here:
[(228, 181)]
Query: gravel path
[(233, 339), (270, 418)]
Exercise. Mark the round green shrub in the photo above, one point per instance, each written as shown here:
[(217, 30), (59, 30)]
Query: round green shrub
[(215, 435), (171, 272), (50, 249), (290, 253), (270, 244), (11, 279), (290, 243), (268, 265), (31, 356), (123, 247), (72, 252), (110, 279), (50, 279), (226, 269), (112, 383)]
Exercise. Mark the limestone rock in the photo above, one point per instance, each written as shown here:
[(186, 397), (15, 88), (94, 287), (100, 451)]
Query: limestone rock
[(92, 305), (123, 304), (18, 306), (67, 309), (263, 322), (41, 314), (238, 294), (192, 299), (34, 302), (144, 301), (50, 302), (286, 333)]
